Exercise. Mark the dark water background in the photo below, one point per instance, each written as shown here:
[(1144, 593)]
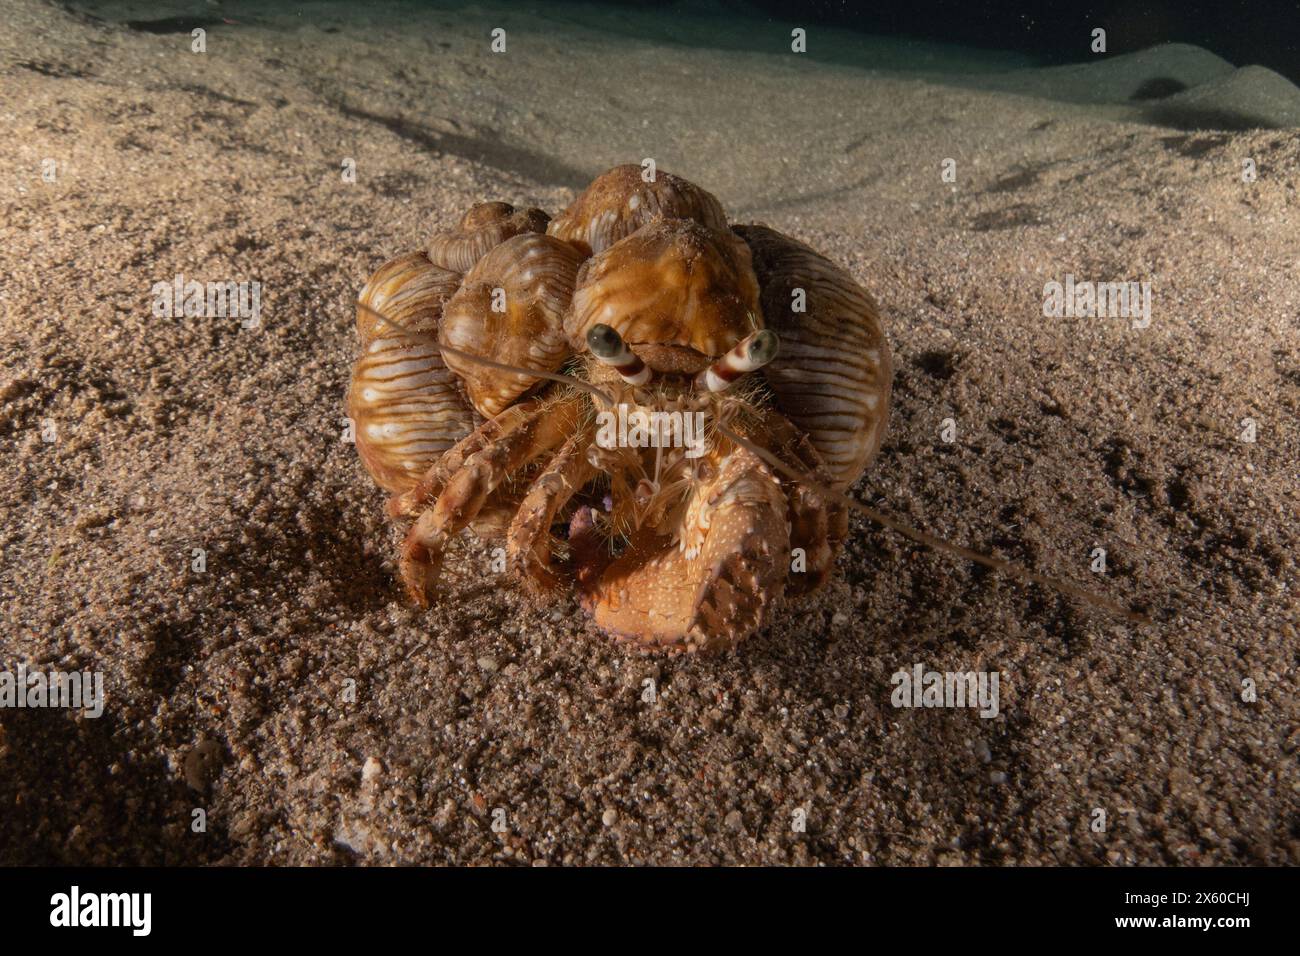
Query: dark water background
[(952, 36)]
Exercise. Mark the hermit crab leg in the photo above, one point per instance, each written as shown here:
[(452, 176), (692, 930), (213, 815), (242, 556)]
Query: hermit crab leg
[(750, 353), (818, 524), (543, 428), (428, 488), (529, 540), (610, 349)]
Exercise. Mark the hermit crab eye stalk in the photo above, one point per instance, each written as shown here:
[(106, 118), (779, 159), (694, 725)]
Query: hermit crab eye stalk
[(752, 352), (610, 349)]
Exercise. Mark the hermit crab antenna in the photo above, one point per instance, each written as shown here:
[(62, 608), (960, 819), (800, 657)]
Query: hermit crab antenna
[(752, 352), (610, 349)]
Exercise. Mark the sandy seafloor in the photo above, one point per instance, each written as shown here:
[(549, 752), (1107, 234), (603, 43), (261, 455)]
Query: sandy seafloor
[(225, 689)]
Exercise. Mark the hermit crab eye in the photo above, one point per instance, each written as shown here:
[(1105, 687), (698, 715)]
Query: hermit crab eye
[(752, 352), (610, 349), (763, 347), (604, 342)]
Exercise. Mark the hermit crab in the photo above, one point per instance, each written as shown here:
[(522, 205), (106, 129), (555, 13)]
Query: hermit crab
[(640, 401)]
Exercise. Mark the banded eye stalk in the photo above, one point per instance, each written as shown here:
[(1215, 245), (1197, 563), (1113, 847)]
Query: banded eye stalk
[(610, 349), (751, 353)]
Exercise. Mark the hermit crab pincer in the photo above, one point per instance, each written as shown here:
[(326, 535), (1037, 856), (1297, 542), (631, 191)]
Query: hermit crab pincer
[(627, 396)]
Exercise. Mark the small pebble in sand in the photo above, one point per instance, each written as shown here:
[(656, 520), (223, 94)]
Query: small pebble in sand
[(202, 764), (982, 751), (997, 777), (734, 821), (488, 663), (609, 817), (371, 770)]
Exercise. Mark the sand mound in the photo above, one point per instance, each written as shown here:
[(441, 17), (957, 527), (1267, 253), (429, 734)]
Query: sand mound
[(1147, 74), (1175, 84), (1250, 97)]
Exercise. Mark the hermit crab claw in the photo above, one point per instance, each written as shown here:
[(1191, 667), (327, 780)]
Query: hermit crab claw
[(712, 586)]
